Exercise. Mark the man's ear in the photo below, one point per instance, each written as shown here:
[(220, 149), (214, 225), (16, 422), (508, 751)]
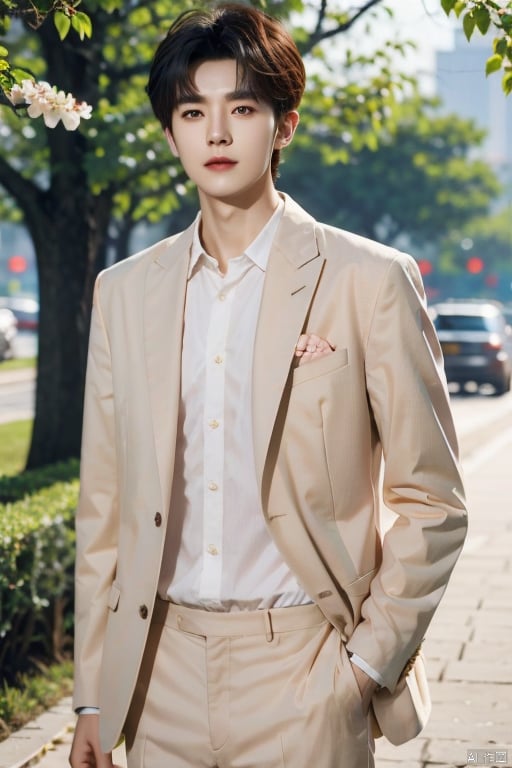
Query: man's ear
[(286, 129), (171, 142)]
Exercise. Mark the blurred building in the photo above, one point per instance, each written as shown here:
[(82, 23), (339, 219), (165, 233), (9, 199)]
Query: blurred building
[(464, 89)]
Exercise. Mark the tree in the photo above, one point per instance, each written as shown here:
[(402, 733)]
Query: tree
[(489, 239), (481, 15), (34, 12), (421, 180), (81, 192)]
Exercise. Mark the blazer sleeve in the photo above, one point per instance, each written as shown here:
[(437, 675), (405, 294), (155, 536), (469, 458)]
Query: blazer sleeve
[(422, 481), (97, 514)]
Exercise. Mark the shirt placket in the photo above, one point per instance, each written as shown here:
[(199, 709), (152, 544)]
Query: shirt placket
[(213, 441)]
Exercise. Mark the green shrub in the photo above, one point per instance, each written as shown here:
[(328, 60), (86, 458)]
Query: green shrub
[(32, 694), (16, 487), (36, 577)]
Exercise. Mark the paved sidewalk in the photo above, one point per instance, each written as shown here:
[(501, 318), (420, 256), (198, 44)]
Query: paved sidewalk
[(469, 642), (17, 375), (468, 646)]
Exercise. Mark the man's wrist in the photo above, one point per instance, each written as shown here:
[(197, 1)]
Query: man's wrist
[(87, 710)]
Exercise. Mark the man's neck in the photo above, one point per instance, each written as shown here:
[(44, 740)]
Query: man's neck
[(227, 229)]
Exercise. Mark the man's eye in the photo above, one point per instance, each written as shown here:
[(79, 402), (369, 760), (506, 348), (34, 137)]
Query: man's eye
[(243, 110), (191, 113)]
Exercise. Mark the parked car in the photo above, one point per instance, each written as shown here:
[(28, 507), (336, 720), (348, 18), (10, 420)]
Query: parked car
[(8, 331), (25, 309), (476, 342)]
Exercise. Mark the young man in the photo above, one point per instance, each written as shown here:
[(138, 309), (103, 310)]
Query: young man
[(236, 606)]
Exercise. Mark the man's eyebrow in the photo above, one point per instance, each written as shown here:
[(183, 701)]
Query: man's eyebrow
[(189, 98), (240, 94)]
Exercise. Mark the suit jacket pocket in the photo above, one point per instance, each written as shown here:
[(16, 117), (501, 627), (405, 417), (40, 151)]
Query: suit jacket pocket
[(113, 597), (338, 358)]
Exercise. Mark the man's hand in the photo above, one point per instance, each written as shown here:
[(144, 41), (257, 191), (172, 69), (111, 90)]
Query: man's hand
[(85, 750), (367, 686), (310, 347)]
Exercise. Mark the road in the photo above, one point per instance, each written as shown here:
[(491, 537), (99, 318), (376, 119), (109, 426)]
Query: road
[(17, 388), (472, 413), (16, 396)]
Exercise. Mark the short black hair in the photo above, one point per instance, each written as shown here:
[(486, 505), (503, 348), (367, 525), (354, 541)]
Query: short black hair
[(268, 62)]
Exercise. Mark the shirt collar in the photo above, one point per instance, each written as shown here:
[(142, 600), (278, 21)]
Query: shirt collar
[(258, 251)]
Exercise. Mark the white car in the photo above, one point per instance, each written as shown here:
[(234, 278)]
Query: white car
[(8, 331)]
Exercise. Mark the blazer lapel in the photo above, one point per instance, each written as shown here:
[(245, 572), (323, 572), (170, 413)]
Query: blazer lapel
[(293, 271), (164, 306)]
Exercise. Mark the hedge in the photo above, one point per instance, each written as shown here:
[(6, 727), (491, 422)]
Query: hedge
[(36, 572), (16, 487)]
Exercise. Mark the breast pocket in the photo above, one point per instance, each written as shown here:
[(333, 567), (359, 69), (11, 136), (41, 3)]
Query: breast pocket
[(338, 358)]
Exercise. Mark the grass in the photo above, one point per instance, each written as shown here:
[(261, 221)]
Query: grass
[(17, 364), (33, 695), (14, 445)]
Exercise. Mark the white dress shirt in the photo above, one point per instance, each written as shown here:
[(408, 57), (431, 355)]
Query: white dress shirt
[(219, 554)]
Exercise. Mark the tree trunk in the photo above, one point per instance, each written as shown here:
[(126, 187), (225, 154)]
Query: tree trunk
[(68, 253), (68, 228)]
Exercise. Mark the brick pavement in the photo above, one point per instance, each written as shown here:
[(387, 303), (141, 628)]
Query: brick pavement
[(468, 645)]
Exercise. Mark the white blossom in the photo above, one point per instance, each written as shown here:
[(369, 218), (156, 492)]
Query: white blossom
[(53, 105)]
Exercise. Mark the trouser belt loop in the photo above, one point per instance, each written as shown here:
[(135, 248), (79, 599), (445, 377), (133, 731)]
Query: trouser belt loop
[(269, 632)]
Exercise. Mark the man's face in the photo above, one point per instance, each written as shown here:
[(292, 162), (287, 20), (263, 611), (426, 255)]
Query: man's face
[(225, 137)]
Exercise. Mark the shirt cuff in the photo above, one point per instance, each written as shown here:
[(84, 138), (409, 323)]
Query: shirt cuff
[(361, 663), (87, 710)]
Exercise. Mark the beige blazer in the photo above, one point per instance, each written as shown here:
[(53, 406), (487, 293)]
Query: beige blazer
[(320, 433)]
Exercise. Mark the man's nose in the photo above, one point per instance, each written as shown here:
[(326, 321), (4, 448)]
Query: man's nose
[(218, 132)]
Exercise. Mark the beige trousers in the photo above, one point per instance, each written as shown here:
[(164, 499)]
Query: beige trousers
[(258, 689)]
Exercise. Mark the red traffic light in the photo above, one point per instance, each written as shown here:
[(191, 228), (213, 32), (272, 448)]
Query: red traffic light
[(425, 267), (17, 264), (475, 265)]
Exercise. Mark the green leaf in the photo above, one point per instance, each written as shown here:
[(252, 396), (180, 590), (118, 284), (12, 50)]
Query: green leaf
[(507, 83), (459, 6), (493, 64), (3, 51), (500, 46), (82, 24), (62, 22), (483, 19), (448, 6), (468, 24)]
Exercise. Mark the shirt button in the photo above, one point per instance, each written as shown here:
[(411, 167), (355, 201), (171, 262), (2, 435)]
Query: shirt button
[(222, 297), (218, 359), (158, 519), (212, 550), (213, 486), (213, 423), (143, 611)]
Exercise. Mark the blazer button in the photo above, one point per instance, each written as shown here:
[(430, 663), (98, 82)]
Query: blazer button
[(143, 611), (158, 519)]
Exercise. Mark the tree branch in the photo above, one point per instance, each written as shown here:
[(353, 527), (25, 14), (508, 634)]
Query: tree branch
[(27, 194), (318, 35)]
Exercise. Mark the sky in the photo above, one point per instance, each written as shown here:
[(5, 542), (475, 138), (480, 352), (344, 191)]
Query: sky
[(425, 23), (421, 21)]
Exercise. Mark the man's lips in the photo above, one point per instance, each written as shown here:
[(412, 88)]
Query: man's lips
[(220, 162)]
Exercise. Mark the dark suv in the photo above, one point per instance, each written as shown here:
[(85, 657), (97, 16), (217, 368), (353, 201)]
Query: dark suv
[(476, 343)]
